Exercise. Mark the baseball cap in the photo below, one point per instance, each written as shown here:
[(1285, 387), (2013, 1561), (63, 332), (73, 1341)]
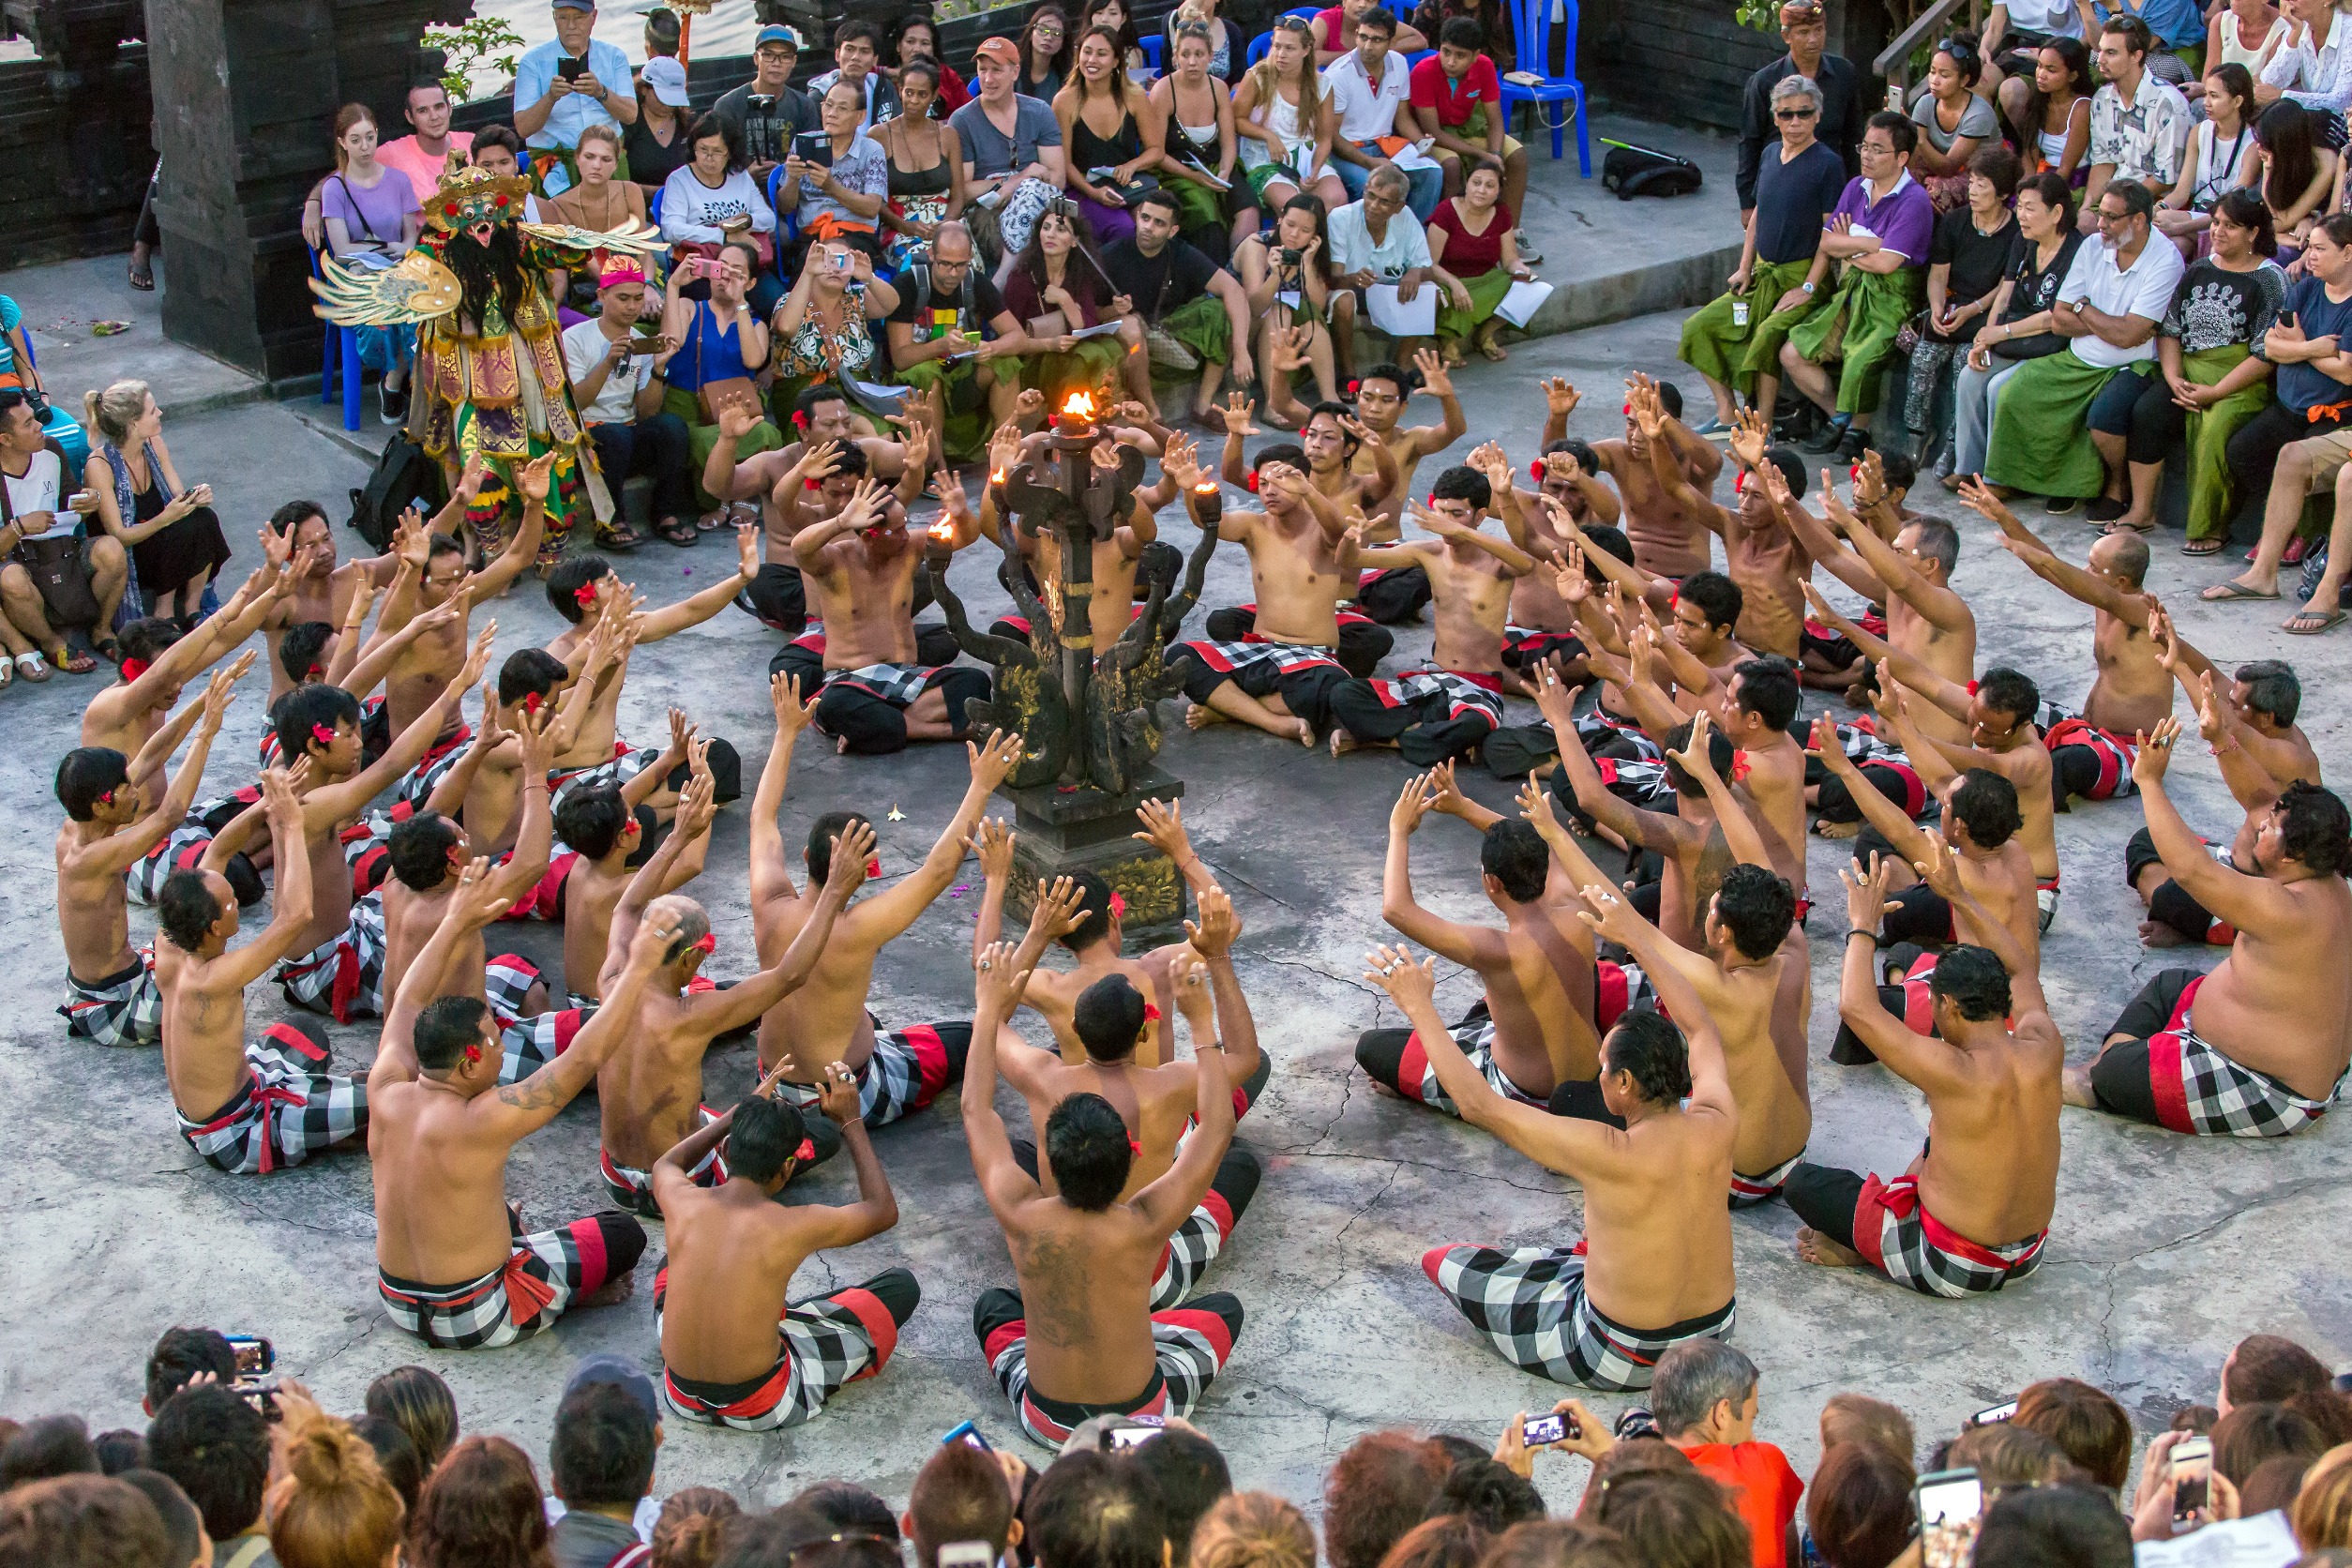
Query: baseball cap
[(777, 33), (606, 1367), (1002, 50), (667, 80), (575, 5)]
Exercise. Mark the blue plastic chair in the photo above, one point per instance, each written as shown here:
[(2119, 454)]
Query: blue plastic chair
[(1264, 41), (1152, 45), (1414, 56), (787, 225), (1531, 21), (653, 207), (338, 359)]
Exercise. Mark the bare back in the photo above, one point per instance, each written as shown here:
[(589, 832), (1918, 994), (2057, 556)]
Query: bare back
[(1659, 1227), (440, 1184), (1990, 1169), (2282, 1002)]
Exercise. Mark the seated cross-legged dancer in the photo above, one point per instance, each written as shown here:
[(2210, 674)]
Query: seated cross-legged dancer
[(454, 1265), (104, 834), (1090, 1260), (1112, 1019), (1761, 555), (1971, 1213), (602, 840), (1278, 673), (2250, 725), (1751, 970), (246, 1107), (1437, 714), (2258, 1048), (1350, 468), (1546, 522), (1654, 1266), (736, 1349), (1380, 396), (899, 1071), (860, 564), (1667, 541), (1531, 1034), (649, 1093), (2091, 752)]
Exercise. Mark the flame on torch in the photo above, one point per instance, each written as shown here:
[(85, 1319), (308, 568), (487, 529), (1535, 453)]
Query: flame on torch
[(1080, 407)]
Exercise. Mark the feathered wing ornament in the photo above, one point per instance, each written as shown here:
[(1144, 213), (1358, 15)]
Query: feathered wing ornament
[(419, 289), (633, 238)]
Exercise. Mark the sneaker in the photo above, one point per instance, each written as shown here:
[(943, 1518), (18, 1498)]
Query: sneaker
[(1851, 446), (395, 405), (2103, 510), (1528, 252), (1827, 439)]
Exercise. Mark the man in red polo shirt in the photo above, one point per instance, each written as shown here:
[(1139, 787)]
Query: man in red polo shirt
[(1458, 100)]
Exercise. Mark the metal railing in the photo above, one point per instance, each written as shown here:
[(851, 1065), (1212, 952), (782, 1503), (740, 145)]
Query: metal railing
[(1894, 62)]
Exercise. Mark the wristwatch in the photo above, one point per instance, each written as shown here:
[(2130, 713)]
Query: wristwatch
[(1806, 285)]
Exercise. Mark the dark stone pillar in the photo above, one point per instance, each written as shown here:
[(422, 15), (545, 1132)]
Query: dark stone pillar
[(246, 93)]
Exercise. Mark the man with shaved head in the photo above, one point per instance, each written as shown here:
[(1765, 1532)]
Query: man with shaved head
[(651, 1092)]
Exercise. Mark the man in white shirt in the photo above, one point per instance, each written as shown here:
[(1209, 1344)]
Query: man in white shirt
[(2138, 123), (2313, 69), (1377, 241), (552, 108), (619, 394), (1371, 89), (38, 492), (424, 155), (2050, 426)]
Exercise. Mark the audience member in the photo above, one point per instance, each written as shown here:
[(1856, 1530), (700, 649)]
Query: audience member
[(430, 149), (1674, 1520), (1845, 97), (851, 1508), (2023, 323), (1283, 115), (170, 530), (1441, 1541), (916, 37), (761, 116), (1181, 296), (1374, 241), (1858, 1510), (80, 1521), (2322, 1514), (395, 1456), (960, 1494), (480, 1510), (1859, 1418), (372, 216), (857, 59), (711, 202), (1458, 100), (1044, 53), (51, 1446), (1559, 1544), (2086, 1423), (1010, 144), (1093, 1510), (621, 396), (181, 1355), (573, 81), (2266, 1368), (119, 1450), (1472, 237), (2006, 1454), (216, 1447), (414, 1399), (333, 1507), (600, 1464), (1974, 244), (693, 1527), (1486, 1494), (2139, 123), (1704, 1400), (1190, 1477), (2054, 1527), (836, 185), (1251, 1530), (1954, 121), (656, 146), (185, 1541), (2251, 1434), (1371, 92), (1380, 1486)]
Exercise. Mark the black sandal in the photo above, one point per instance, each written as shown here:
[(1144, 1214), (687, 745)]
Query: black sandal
[(679, 532), (619, 537), (108, 649)]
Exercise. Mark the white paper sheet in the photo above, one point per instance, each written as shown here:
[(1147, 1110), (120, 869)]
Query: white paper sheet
[(1520, 305), (1397, 318), (2261, 1542)]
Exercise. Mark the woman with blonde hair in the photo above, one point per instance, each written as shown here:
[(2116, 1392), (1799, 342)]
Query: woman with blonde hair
[(1253, 1530), (2322, 1516), (333, 1508), (170, 530), (1283, 113), (692, 1528), (414, 1399)]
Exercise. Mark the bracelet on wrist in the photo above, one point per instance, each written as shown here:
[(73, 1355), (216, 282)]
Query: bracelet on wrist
[(1870, 937)]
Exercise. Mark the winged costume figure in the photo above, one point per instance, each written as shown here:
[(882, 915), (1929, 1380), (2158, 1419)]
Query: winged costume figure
[(490, 357)]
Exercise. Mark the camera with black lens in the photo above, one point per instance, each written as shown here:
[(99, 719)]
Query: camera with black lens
[(1290, 257)]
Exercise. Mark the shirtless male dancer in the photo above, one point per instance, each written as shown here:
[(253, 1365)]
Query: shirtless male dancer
[(1337, 448), (2258, 1047), (1276, 670), (1654, 1266), (1380, 395), (323, 589), (897, 1071), (1087, 1260), (104, 834), (1972, 1211), (245, 1107), (1762, 556), (1115, 556), (1111, 1020), (1666, 539), (454, 1265), (650, 1094), (2090, 753), (602, 834), (2250, 723), (860, 563), (158, 663), (1755, 712), (432, 662), (1531, 1032), (736, 1350), (1444, 711), (1541, 626)]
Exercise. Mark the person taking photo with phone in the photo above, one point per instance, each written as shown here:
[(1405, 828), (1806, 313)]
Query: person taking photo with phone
[(610, 358), (565, 86)]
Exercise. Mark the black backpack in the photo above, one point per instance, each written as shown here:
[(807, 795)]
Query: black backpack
[(403, 474), (1633, 171)]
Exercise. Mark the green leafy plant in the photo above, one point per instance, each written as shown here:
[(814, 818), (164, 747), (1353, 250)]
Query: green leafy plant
[(477, 44), (1762, 15)]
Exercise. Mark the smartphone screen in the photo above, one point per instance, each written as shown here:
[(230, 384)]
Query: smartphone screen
[(254, 1354), (2192, 1469), (968, 1435), (1540, 1430), (966, 1554), (1996, 1413), (1951, 1503)]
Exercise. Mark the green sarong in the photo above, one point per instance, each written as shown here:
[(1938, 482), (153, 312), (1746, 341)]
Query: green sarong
[(1485, 291), (2039, 443), (2212, 494), (1083, 369), (1201, 326), (701, 438), (1733, 355), (966, 435), (1858, 328), (1199, 207)]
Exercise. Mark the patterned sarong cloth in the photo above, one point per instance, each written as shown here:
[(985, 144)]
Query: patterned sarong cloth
[(1531, 1305), (285, 1113)]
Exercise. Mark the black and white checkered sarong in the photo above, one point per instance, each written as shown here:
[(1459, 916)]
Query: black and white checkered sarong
[(125, 1009), (285, 1113), (1530, 1303)]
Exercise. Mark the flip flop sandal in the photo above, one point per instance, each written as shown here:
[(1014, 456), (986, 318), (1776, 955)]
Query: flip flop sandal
[(2120, 526), (77, 663), (620, 538), (142, 279), (2227, 592), (108, 649), (2319, 621), (678, 532), (2203, 547), (31, 666)]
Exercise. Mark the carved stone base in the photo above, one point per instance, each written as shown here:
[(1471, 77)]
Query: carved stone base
[(1085, 830)]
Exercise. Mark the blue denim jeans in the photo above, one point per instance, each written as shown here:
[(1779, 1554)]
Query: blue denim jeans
[(1422, 192)]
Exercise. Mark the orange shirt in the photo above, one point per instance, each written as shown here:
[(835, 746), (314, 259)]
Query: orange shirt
[(1764, 1492)]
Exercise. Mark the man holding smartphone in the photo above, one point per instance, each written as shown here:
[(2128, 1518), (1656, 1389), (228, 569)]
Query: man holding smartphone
[(565, 86), (619, 394)]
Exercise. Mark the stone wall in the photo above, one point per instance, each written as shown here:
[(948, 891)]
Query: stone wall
[(73, 162), (1689, 60)]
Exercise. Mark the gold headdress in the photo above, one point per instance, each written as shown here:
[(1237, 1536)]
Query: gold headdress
[(472, 196)]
